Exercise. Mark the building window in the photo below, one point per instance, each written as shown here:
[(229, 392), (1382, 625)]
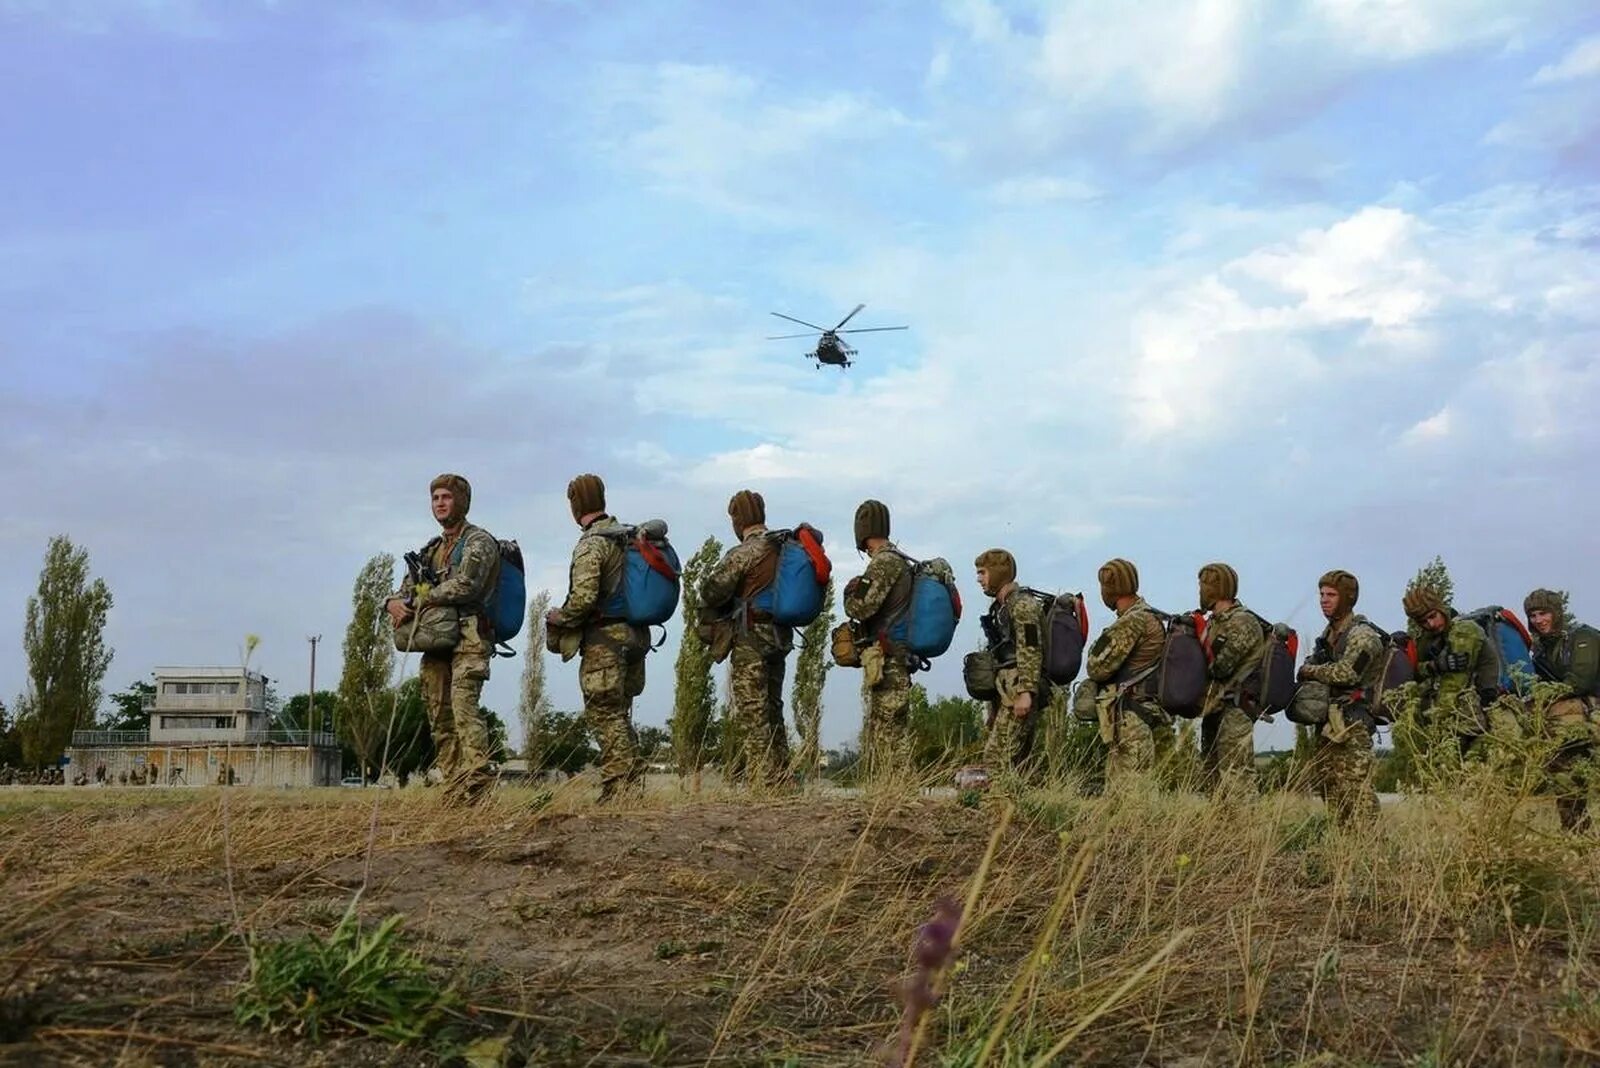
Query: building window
[(224, 723)]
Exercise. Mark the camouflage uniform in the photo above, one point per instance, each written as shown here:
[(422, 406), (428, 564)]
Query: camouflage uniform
[(1131, 720), (758, 658), (611, 671), (452, 682), (873, 600), (1447, 667), (1014, 626), (1236, 641), (1571, 657), (1349, 659)]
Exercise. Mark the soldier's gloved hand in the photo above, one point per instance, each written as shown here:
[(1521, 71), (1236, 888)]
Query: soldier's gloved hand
[(1450, 660), (1022, 705), (552, 618)]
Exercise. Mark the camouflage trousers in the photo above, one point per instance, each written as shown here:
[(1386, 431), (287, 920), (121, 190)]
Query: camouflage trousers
[(1343, 773), (451, 686), (886, 734), (755, 676), (1009, 743), (610, 676), (1133, 746), (1227, 747), (1573, 770)]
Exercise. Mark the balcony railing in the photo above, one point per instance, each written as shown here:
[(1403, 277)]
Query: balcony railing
[(202, 702), (269, 737)]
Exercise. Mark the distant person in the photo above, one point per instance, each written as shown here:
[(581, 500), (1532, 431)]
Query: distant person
[(758, 658), (611, 671), (873, 600), (1348, 659), (1013, 630), (1448, 651), (466, 560), (1236, 639), (1568, 654), (1123, 662)]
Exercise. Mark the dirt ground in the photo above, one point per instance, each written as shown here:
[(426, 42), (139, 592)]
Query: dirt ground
[(710, 932)]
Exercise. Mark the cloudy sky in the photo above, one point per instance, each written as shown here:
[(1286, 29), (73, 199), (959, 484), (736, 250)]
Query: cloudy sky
[(1295, 286)]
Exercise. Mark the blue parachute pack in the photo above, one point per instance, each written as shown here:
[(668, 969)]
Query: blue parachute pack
[(800, 581), (927, 624), (507, 604), (1506, 664), (651, 575)]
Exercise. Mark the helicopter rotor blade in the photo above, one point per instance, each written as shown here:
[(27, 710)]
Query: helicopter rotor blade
[(802, 322), (852, 315), (786, 337), (872, 329)]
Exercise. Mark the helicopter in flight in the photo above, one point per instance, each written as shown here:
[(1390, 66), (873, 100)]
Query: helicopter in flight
[(831, 349)]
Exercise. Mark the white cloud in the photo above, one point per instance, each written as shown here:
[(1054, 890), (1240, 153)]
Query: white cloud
[(1583, 61), (1434, 428), (1035, 189)]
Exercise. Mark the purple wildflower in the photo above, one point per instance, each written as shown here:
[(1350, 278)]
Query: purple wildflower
[(931, 953)]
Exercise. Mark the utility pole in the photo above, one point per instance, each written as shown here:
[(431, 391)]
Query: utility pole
[(311, 698)]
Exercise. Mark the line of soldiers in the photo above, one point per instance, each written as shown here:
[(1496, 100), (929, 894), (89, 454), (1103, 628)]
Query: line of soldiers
[(1122, 661)]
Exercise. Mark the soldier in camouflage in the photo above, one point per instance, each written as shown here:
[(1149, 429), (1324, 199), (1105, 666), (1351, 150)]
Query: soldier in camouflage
[(873, 600), (1448, 651), (760, 647), (1123, 663), (1014, 630), (611, 671), (1348, 659), (1235, 641), (467, 560), (1568, 655)]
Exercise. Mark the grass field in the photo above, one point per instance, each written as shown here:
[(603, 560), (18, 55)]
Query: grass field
[(159, 927)]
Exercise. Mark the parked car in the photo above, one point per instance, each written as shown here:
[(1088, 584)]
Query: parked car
[(352, 780)]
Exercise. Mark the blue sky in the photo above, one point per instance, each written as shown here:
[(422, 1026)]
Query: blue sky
[(1294, 286)]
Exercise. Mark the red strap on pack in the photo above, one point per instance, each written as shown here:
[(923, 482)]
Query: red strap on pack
[(1293, 642), (820, 564), (1083, 616), (655, 558), (955, 600), (1200, 628), (1410, 649), (1511, 617)]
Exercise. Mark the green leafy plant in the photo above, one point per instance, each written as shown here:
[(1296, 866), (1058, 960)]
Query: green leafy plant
[(368, 983)]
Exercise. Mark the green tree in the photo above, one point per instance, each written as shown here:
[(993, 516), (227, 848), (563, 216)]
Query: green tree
[(294, 712), (945, 729), (811, 666), (129, 711), (10, 740), (694, 695), (363, 707), (408, 744), (64, 638), (567, 745), (655, 743), (495, 728), (1436, 577), (534, 705), (1068, 746)]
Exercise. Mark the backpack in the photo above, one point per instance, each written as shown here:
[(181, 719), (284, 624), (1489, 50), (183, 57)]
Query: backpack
[(505, 607), (1506, 665), (1399, 668), (927, 623), (648, 593), (794, 596), (1275, 681), (1182, 676), (507, 604), (1066, 632)]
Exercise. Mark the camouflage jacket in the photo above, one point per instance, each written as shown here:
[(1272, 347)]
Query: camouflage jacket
[(1014, 628), (745, 570), (595, 574), (1444, 689), (1235, 640), (465, 585), (1572, 656), (882, 589), (1130, 645), (1348, 657)]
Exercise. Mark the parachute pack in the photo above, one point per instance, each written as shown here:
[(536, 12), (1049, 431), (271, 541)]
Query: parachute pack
[(1271, 682), (1399, 668), (927, 623), (648, 593), (1066, 632), (1182, 675), (506, 605), (800, 581), (1506, 665)]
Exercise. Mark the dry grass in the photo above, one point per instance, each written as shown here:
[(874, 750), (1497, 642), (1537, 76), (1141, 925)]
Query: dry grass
[(709, 929)]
